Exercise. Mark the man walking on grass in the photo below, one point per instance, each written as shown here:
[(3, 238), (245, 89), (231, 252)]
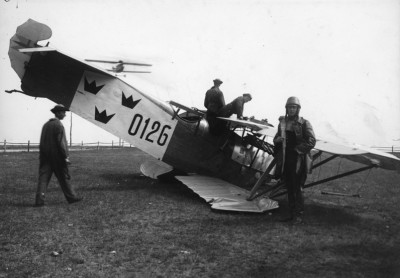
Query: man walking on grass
[(54, 158)]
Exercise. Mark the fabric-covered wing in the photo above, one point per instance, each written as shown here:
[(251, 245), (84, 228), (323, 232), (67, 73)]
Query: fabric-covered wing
[(353, 152), (335, 148), (225, 196), (236, 122), (360, 154)]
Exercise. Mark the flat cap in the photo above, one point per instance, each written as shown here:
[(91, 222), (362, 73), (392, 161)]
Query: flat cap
[(217, 81), (248, 95), (58, 108)]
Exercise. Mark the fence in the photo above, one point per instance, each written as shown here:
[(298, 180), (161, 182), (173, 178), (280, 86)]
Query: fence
[(29, 146), (21, 147), (392, 149)]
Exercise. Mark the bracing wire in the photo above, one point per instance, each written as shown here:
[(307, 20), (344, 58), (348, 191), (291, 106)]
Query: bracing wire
[(364, 182), (339, 164)]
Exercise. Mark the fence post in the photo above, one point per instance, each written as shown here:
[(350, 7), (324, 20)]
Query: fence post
[(112, 144), (98, 145), (29, 142), (82, 146), (5, 145)]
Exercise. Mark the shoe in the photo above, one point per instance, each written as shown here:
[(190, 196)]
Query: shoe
[(75, 200), (37, 205), (298, 220)]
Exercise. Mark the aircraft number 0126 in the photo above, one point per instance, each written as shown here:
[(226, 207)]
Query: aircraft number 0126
[(145, 131)]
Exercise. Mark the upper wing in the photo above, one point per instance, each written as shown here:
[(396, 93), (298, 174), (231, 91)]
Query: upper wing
[(357, 153), (242, 123), (226, 196), (360, 154)]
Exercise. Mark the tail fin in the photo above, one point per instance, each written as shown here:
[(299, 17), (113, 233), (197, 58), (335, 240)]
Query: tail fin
[(27, 36)]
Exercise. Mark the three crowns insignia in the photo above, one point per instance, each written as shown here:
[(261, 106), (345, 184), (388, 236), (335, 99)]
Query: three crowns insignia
[(102, 116), (128, 102), (91, 87)]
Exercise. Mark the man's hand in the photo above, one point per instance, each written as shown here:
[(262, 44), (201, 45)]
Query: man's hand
[(67, 161), (278, 139)]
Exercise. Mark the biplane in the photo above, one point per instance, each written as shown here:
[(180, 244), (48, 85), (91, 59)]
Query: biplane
[(229, 171), (120, 65)]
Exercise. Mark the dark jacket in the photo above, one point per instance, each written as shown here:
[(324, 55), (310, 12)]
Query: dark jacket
[(214, 100), (53, 142), (305, 142), (234, 107)]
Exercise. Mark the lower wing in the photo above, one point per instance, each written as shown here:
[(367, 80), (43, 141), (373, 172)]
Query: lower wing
[(222, 195)]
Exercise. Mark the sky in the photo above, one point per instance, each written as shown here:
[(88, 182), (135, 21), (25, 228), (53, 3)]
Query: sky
[(340, 58)]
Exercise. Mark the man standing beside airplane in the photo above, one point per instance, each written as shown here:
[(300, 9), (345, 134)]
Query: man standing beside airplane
[(294, 141), (54, 158), (214, 101)]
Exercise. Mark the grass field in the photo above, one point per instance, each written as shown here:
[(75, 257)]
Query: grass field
[(131, 226)]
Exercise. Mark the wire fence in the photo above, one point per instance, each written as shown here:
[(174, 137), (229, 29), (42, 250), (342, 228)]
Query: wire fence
[(34, 147), (392, 149), (28, 147)]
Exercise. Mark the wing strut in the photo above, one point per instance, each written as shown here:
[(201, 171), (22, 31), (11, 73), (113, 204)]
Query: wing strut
[(341, 175), (263, 177), (323, 161), (280, 184), (330, 179)]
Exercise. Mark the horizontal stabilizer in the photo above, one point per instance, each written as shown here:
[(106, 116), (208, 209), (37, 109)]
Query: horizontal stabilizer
[(226, 196), (36, 49)]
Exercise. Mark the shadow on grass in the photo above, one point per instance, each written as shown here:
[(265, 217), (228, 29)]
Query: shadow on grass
[(367, 259), (19, 204), (117, 182), (120, 182), (315, 214), (330, 216), (371, 258)]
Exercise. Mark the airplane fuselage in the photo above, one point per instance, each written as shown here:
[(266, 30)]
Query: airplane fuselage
[(137, 118), (117, 107)]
